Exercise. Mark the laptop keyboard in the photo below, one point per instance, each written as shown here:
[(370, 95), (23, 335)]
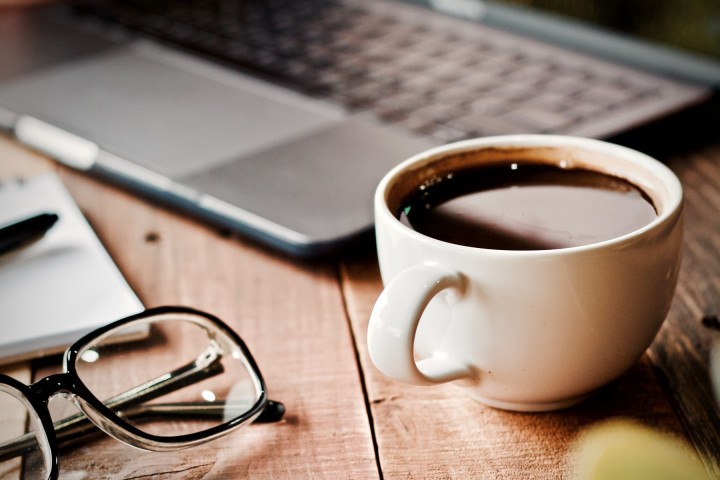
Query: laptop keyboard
[(425, 76)]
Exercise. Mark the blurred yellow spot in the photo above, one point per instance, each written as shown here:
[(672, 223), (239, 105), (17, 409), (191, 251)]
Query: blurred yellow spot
[(624, 450)]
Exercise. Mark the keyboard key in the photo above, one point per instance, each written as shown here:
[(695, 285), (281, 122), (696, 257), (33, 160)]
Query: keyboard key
[(550, 101), (447, 134), (423, 77), (536, 120), (400, 103), (605, 95), (481, 125)]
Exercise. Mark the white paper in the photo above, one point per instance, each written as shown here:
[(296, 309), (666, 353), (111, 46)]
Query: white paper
[(61, 287)]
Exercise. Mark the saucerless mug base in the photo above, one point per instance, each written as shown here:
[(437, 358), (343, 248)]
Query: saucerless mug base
[(525, 330)]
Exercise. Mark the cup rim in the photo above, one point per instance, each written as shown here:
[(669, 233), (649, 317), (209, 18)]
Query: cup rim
[(660, 172)]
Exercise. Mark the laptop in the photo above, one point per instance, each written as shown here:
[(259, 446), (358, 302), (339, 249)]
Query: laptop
[(277, 118)]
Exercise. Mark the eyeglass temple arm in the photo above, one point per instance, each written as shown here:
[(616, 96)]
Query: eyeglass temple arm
[(181, 377), (79, 426), (273, 412)]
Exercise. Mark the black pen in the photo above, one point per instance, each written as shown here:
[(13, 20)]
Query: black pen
[(20, 234)]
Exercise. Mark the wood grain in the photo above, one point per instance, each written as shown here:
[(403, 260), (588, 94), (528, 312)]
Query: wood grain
[(291, 315), (438, 432), (306, 325), (682, 348)]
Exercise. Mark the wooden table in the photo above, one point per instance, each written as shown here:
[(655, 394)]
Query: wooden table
[(306, 325)]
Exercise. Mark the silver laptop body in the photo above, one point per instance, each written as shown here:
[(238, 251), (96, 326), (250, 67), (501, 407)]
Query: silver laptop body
[(291, 160)]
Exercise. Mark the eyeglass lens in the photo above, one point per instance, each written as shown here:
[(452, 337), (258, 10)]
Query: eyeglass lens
[(170, 374), (189, 375), (18, 419)]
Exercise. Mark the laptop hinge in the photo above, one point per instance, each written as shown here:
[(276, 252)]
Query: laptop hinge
[(68, 148)]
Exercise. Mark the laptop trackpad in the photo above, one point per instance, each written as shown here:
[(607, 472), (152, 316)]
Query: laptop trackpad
[(166, 111), (321, 185)]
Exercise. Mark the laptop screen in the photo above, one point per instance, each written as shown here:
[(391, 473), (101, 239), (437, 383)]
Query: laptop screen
[(692, 25), (678, 39)]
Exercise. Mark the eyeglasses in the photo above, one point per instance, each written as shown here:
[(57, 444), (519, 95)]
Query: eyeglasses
[(198, 381)]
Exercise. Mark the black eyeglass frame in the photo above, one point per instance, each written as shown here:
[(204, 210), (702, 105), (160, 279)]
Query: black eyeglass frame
[(38, 394)]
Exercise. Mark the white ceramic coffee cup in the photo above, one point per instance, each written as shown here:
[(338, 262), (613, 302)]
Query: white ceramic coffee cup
[(523, 330)]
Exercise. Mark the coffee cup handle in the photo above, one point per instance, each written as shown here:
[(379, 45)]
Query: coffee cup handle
[(394, 321)]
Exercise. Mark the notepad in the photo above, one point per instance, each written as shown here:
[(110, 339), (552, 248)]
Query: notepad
[(61, 287)]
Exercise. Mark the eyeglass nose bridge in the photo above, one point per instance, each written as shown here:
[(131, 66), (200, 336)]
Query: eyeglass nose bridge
[(60, 384), (53, 385)]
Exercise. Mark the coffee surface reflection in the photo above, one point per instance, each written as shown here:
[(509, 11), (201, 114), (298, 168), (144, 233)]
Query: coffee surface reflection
[(526, 206)]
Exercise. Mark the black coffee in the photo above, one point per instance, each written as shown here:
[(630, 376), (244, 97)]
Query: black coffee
[(526, 206)]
